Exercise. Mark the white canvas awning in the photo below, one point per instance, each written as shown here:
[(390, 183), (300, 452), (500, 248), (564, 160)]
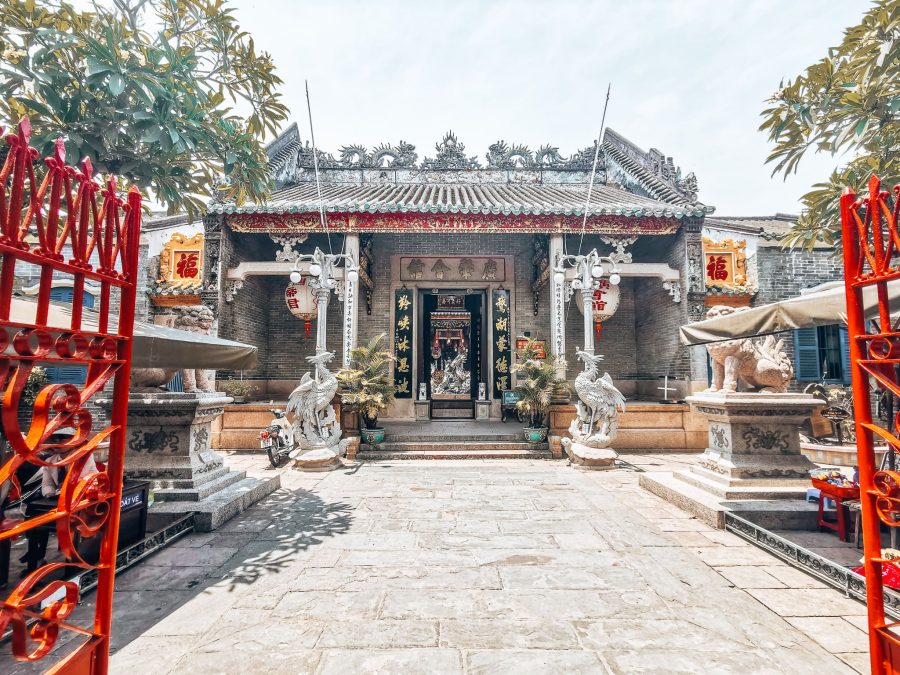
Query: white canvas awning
[(820, 308), (154, 346)]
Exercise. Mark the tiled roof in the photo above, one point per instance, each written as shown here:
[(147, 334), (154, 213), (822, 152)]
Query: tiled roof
[(655, 185), (772, 228), (168, 288), (465, 198)]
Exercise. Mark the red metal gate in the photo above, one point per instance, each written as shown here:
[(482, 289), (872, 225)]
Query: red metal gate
[(67, 226), (871, 246)]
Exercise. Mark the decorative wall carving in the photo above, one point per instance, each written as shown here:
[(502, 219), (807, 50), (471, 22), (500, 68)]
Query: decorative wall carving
[(619, 243), (287, 252), (275, 223), (725, 264)]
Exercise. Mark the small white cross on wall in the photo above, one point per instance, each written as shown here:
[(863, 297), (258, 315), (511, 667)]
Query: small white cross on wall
[(666, 388)]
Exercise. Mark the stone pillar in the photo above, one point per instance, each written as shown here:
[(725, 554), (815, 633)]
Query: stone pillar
[(351, 297), (168, 443), (557, 303)]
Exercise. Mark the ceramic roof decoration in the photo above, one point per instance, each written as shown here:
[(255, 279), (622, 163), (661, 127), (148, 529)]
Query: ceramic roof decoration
[(513, 180), (464, 198)]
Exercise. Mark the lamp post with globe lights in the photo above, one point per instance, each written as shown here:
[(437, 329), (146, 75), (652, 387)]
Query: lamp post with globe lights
[(589, 269), (322, 282)]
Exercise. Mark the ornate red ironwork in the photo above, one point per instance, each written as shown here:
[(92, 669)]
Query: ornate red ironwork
[(871, 249), (66, 223)]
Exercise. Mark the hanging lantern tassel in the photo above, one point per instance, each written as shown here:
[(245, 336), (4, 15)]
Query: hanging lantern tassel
[(306, 325), (598, 327)]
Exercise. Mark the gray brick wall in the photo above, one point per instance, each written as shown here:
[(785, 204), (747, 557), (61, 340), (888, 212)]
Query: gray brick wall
[(783, 274)]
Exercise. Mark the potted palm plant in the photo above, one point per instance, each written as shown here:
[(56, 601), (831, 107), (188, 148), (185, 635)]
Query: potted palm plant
[(537, 380), (368, 385)]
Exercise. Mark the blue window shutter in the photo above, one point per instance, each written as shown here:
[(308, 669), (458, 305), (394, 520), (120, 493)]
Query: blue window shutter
[(61, 294), (68, 374), (176, 384), (845, 355), (806, 355)]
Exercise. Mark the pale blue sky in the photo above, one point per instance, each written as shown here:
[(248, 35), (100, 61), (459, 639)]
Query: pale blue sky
[(688, 77)]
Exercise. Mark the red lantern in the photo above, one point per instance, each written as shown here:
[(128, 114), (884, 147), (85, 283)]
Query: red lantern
[(301, 302)]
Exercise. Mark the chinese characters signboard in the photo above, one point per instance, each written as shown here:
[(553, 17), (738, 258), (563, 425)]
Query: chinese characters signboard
[(501, 335), (403, 351), (181, 261), (725, 263)]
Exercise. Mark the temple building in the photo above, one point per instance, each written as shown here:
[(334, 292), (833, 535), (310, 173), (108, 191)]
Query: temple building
[(456, 254)]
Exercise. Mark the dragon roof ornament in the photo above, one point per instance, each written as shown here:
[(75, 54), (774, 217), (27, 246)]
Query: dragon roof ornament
[(451, 154), (657, 174)]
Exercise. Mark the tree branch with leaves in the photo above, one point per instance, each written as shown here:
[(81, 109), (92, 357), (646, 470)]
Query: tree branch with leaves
[(845, 105), (160, 107)]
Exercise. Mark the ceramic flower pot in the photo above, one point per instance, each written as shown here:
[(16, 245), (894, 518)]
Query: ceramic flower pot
[(372, 436), (538, 435)]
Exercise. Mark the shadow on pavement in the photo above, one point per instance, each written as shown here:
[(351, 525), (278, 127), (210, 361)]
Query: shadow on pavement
[(253, 549)]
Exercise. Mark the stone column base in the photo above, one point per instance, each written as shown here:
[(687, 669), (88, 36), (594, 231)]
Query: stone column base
[(752, 465), (168, 444)]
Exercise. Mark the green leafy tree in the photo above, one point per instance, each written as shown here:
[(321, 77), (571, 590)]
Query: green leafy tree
[(367, 380), (170, 94), (846, 104), (537, 382)]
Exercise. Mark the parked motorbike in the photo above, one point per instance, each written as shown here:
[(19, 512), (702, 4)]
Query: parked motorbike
[(277, 439)]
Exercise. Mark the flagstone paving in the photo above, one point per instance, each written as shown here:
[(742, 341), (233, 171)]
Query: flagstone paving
[(475, 567)]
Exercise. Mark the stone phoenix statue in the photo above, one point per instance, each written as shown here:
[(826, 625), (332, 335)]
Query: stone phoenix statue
[(598, 405), (315, 424)]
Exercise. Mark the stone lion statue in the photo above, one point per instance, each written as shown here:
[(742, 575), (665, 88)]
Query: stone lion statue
[(760, 365), (196, 319), (151, 379)]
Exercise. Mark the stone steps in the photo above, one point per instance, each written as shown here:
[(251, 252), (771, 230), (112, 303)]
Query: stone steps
[(201, 491), (218, 508), (455, 450), (407, 437)]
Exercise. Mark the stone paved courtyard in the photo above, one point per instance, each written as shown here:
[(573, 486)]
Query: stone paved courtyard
[(475, 567)]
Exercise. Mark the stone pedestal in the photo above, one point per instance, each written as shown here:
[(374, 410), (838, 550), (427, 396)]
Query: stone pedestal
[(423, 410), (753, 449), (482, 410), (586, 457), (320, 459), (168, 444), (752, 462)]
